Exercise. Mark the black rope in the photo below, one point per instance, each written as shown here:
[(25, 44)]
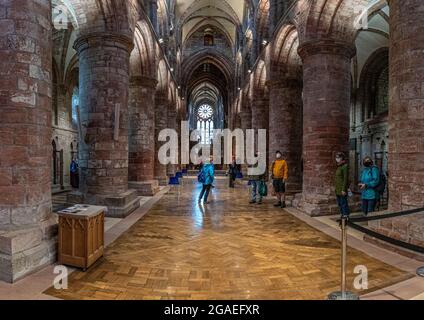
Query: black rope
[(393, 241), (387, 216)]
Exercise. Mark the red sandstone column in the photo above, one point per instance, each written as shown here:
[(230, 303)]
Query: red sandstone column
[(260, 119), (406, 106), (172, 124), (161, 122), (26, 223), (245, 123), (260, 113), (326, 91), (104, 86), (178, 129), (245, 120), (142, 136), (285, 127)]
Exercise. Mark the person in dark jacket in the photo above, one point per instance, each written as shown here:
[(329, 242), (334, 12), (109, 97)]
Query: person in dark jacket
[(370, 179), (208, 173), (232, 173), (255, 181), (74, 172), (342, 184)]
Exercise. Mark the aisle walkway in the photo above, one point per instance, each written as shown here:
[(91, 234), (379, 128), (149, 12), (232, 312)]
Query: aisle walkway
[(225, 250)]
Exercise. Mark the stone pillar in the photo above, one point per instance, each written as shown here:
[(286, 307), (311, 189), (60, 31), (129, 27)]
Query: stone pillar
[(178, 129), (326, 105), (142, 136), (260, 113), (161, 122), (245, 123), (286, 127), (260, 119), (104, 86), (406, 107), (171, 169), (27, 226), (245, 120)]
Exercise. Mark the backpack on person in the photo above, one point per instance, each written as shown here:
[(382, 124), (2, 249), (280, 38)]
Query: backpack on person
[(201, 177), (381, 187)]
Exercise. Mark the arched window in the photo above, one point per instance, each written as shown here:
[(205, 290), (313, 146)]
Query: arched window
[(209, 41), (54, 162), (75, 105), (382, 94), (205, 123)]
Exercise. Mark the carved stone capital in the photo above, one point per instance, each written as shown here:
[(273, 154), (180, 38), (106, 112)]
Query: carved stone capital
[(330, 47), (102, 39)]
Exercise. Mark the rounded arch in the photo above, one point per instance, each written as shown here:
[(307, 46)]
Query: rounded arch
[(100, 16), (285, 60), (337, 20), (143, 59), (262, 21), (260, 79), (245, 99), (162, 77), (376, 65), (163, 19), (219, 60)]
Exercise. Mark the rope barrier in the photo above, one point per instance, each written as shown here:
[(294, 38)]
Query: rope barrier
[(387, 216)]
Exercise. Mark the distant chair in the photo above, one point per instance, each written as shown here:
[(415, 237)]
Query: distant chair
[(174, 181)]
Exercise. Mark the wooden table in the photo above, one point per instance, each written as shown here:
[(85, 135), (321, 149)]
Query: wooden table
[(81, 235)]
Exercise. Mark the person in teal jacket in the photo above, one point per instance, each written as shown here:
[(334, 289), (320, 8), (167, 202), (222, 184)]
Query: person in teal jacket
[(208, 171), (370, 178)]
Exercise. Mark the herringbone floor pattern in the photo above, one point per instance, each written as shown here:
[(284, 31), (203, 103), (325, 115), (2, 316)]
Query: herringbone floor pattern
[(225, 250)]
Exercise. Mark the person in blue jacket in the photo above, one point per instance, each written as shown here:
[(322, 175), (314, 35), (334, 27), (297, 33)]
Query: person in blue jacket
[(370, 178), (208, 173)]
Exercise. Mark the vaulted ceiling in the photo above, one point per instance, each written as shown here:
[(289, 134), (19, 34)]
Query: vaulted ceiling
[(224, 14)]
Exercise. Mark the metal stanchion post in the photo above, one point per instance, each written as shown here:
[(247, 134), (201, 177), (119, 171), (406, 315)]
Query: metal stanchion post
[(343, 294)]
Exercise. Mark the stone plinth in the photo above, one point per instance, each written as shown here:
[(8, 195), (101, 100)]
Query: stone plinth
[(25, 250), (145, 188), (119, 206)]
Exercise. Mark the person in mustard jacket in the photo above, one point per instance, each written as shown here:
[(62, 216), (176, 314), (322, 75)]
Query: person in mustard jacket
[(279, 176)]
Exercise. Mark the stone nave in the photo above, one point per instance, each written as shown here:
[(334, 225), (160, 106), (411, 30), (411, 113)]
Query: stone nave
[(95, 82)]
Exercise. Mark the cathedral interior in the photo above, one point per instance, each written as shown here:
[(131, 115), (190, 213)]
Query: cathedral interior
[(87, 86)]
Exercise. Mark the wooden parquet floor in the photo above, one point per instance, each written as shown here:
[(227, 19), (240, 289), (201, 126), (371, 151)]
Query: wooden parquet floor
[(227, 249)]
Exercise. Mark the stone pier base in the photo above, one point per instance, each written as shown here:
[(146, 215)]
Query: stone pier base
[(163, 181), (316, 206), (25, 251), (119, 206), (145, 188)]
